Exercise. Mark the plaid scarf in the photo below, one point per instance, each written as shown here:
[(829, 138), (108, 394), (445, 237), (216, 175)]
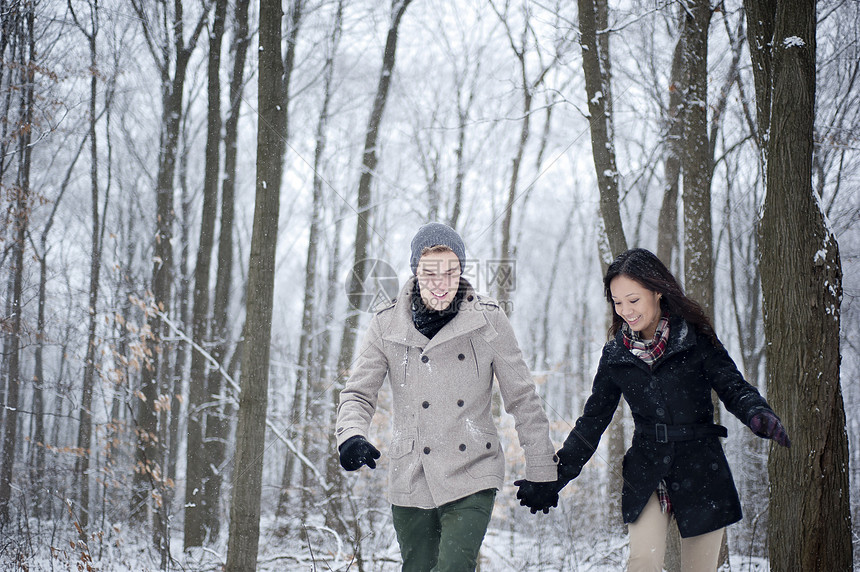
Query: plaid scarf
[(648, 351), (663, 497)]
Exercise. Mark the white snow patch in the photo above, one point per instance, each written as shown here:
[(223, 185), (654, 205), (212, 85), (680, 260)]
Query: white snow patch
[(597, 97), (793, 42)]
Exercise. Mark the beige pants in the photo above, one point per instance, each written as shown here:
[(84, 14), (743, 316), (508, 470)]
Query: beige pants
[(648, 543)]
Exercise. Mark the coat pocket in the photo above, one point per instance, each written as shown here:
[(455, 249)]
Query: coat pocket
[(403, 465), (401, 447), (484, 457)]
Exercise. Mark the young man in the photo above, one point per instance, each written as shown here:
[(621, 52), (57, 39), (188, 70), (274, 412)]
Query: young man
[(440, 345)]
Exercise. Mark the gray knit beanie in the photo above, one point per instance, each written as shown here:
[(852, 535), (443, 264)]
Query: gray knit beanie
[(437, 234)]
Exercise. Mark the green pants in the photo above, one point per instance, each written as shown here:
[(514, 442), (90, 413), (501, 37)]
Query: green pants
[(444, 539)]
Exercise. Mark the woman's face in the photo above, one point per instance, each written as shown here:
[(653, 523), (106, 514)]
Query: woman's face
[(637, 305), (439, 278)]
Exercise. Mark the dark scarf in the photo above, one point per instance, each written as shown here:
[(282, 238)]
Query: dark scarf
[(429, 321), (648, 351)]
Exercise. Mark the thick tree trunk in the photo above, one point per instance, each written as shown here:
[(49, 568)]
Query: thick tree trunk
[(760, 26), (667, 224), (696, 160), (199, 467), (809, 524), (596, 65), (253, 400)]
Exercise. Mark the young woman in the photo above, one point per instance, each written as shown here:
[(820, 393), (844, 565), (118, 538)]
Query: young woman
[(665, 359), (441, 345)]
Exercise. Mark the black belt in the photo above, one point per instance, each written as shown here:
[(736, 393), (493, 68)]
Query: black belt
[(663, 433)]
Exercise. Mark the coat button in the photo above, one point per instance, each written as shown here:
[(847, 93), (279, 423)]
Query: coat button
[(675, 486), (489, 446), (470, 298), (425, 359), (461, 357), (660, 412), (555, 458), (462, 447), (460, 403), (667, 459), (714, 466), (425, 405), (653, 385), (426, 450)]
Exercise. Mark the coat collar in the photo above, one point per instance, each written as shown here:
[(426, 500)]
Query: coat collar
[(682, 337), (401, 330)]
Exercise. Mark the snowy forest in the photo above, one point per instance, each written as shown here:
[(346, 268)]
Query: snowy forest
[(203, 201)]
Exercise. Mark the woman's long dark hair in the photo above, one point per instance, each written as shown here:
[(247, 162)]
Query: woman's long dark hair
[(645, 268)]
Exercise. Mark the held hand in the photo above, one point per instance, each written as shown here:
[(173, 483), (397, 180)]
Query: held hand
[(538, 496), (357, 451), (766, 424)]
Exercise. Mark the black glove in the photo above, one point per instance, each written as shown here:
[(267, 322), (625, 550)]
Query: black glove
[(357, 451), (538, 496), (766, 424)]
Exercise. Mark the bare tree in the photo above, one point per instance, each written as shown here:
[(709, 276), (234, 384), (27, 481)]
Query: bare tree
[(809, 523), (696, 159), (529, 84), (171, 52), (596, 63), (314, 437), (199, 466), (253, 399), (82, 465), (24, 35), (218, 419), (362, 229), (667, 224)]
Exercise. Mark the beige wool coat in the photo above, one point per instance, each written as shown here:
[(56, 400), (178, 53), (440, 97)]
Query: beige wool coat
[(444, 444)]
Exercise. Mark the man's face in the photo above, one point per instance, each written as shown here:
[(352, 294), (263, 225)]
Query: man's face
[(439, 278)]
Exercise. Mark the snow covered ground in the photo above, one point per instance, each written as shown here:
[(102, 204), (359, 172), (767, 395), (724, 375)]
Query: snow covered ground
[(543, 549)]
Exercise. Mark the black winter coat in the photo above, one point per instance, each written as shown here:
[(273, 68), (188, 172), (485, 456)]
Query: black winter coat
[(675, 391)]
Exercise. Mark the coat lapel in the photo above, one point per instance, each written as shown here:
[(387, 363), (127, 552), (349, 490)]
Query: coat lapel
[(468, 319), (401, 329)]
